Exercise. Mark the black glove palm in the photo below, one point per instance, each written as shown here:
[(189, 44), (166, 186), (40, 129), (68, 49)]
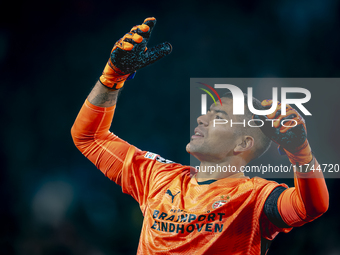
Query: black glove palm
[(130, 54), (128, 61)]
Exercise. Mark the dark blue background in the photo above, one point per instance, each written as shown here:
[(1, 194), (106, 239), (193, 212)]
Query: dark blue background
[(53, 200)]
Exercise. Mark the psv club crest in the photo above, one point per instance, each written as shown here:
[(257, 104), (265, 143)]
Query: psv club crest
[(219, 203)]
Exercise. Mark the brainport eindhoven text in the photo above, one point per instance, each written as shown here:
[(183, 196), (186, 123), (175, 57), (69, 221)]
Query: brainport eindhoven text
[(268, 168)]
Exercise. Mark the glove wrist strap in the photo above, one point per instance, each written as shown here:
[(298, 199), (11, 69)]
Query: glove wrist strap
[(112, 77), (302, 155)]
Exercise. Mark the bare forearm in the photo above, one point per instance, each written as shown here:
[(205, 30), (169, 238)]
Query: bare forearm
[(103, 96)]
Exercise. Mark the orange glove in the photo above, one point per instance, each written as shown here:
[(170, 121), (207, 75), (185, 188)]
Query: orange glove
[(292, 136), (130, 54)]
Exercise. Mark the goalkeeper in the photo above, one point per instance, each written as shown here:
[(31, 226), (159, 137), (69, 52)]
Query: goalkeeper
[(222, 213)]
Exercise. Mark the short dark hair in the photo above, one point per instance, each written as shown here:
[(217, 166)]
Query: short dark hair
[(262, 142)]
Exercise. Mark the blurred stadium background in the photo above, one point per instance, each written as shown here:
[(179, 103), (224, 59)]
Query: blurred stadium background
[(52, 199)]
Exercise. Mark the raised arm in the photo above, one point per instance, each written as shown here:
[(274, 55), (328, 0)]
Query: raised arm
[(90, 131), (309, 198)]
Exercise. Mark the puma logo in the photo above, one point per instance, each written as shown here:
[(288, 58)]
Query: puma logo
[(172, 196)]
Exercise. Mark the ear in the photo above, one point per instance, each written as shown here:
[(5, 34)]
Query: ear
[(245, 144)]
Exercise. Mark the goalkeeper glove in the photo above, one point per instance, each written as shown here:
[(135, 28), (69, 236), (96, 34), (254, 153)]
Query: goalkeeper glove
[(130, 54), (292, 137)]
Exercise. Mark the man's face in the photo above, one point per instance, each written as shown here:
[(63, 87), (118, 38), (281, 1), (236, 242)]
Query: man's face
[(214, 144)]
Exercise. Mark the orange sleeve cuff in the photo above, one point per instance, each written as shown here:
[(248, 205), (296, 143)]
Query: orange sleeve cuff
[(302, 156), (98, 108)]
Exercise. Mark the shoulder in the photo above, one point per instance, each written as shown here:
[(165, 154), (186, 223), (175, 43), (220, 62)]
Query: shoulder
[(263, 187), (259, 182)]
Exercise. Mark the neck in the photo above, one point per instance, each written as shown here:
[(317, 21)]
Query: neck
[(219, 170)]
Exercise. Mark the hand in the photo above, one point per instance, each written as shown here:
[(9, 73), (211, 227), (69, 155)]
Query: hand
[(130, 54), (291, 136)]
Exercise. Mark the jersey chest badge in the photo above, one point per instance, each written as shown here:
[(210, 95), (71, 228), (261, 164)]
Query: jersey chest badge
[(220, 203)]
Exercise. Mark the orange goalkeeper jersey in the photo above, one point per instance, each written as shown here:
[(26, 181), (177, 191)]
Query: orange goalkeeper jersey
[(180, 216)]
